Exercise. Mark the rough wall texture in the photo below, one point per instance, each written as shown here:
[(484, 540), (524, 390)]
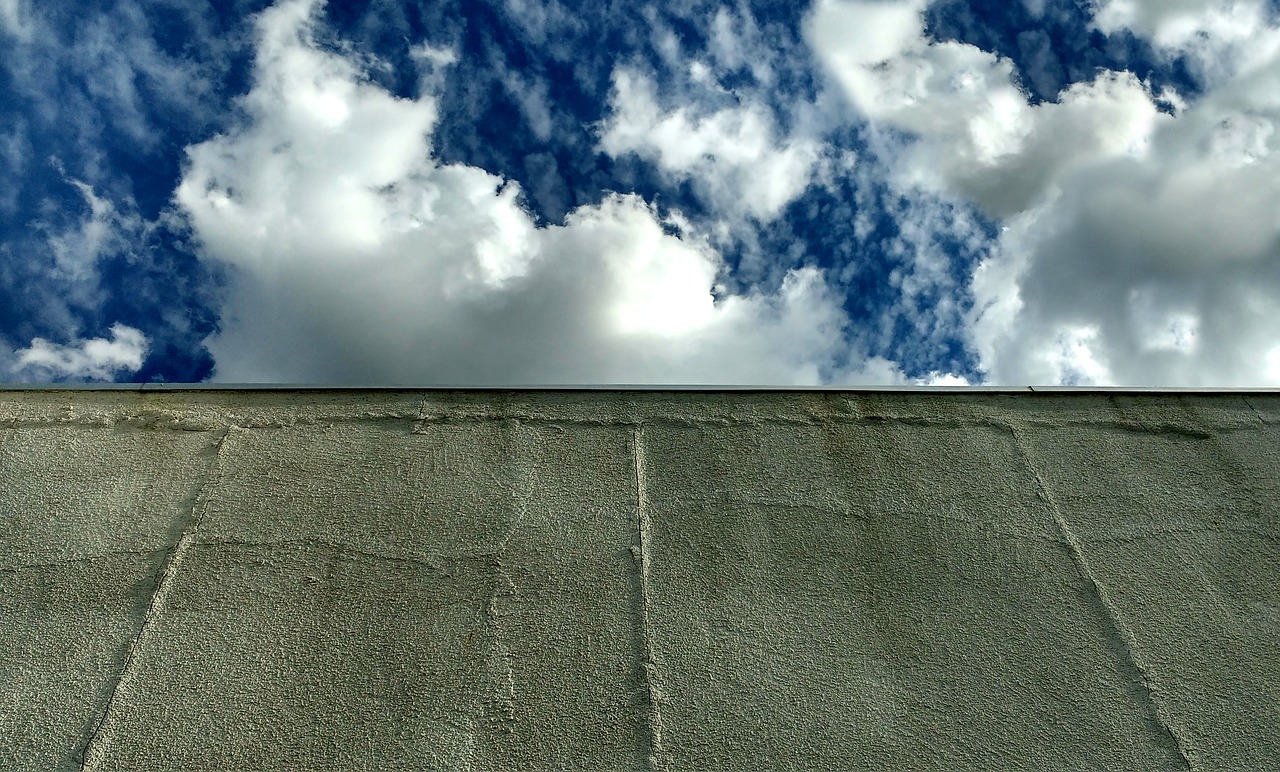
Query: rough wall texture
[(638, 580)]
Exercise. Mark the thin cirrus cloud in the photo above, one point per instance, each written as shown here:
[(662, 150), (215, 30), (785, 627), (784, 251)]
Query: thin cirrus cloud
[(91, 104)]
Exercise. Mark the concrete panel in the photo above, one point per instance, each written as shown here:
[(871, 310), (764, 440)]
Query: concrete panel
[(877, 595), (355, 579), (388, 595), (1181, 531), (87, 515), (65, 634), (79, 491)]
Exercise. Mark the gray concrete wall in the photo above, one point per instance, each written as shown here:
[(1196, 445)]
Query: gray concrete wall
[(638, 580)]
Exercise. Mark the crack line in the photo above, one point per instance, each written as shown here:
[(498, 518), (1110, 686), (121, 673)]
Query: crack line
[(1154, 533), (657, 756), (422, 407), (80, 559), (1256, 412), (197, 425), (95, 748), (561, 421), (1128, 640)]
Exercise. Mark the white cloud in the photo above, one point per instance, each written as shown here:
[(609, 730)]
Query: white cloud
[(63, 258), (734, 155), (1201, 25), (1170, 263), (530, 93), (16, 20), (15, 151), (737, 43), (1170, 260), (980, 137), (943, 379), (103, 230), (1137, 247), (105, 74), (94, 359), (544, 20), (1227, 44), (358, 258)]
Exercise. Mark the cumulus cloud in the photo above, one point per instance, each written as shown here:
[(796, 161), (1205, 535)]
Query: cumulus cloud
[(1189, 25), (980, 136), (943, 379), (98, 359), (357, 257), (734, 155), (1138, 245)]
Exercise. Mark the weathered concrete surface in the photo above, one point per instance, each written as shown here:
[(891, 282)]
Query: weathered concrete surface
[(638, 580)]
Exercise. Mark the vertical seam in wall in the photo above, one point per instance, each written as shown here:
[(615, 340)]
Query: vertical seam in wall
[(657, 758), (501, 659), (95, 749), (1128, 641)]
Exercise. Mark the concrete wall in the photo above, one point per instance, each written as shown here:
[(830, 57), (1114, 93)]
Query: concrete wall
[(633, 580)]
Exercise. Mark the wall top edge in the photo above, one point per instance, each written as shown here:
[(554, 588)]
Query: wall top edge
[(250, 387)]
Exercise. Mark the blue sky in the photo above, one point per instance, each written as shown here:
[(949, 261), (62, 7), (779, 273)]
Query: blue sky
[(537, 191)]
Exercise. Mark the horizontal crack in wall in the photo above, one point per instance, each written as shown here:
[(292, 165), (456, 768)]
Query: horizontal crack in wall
[(53, 564)]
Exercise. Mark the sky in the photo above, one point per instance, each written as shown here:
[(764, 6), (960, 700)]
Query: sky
[(777, 192)]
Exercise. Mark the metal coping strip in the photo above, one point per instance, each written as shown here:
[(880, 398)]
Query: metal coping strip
[(695, 388)]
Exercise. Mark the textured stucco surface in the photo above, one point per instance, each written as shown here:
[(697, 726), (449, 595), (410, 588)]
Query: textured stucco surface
[(208, 580)]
